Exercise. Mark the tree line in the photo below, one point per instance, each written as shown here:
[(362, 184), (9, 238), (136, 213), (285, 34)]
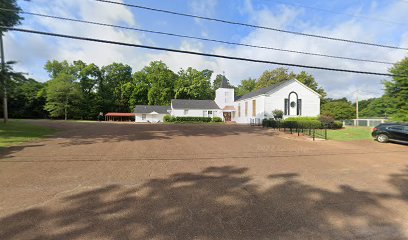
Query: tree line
[(80, 91)]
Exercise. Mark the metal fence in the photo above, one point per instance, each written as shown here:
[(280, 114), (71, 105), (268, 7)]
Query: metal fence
[(364, 122), (312, 132)]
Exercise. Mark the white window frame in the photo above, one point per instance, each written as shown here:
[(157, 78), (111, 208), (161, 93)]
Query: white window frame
[(185, 112), (144, 116)]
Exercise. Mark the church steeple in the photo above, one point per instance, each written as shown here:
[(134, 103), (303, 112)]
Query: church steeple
[(225, 83), (224, 95)]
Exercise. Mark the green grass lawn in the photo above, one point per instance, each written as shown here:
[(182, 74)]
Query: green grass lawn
[(17, 131), (350, 134)]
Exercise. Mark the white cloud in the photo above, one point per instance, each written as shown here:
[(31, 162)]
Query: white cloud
[(33, 47), (337, 84), (204, 7), (27, 49)]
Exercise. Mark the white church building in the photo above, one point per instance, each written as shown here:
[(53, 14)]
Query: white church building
[(292, 97)]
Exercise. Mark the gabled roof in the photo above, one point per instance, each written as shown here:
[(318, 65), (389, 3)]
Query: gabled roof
[(261, 91), (146, 109), (193, 104), (271, 88)]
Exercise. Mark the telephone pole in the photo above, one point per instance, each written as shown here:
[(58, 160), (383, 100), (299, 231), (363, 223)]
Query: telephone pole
[(357, 105), (3, 71)]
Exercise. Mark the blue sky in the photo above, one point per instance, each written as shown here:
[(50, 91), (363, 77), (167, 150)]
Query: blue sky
[(383, 22)]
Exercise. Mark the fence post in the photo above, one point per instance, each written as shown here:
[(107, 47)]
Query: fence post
[(325, 133), (314, 130)]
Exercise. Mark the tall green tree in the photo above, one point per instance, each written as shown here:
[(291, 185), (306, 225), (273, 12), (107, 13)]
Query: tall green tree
[(246, 86), (339, 109), (54, 68), (374, 107), (139, 89), (162, 81), (277, 75), (25, 102), (89, 76), (193, 84), (310, 81), (10, 79), (63, 96), (7, 19), (218, 80), (396, 91), (113, 95)]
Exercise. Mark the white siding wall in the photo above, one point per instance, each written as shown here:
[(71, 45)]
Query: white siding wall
[(260, 106), (150, 118), (310, 100), (195, 113), (224, 97), (276, 100)]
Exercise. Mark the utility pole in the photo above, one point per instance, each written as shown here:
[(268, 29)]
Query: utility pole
[(357, 104), (3, 70)]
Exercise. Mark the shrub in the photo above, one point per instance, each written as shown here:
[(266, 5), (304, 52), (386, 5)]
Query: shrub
[(326, 120), (336, 125), (192, 119), (302, 122), (168, 118), (217, 119), (277, 114), (270, 123)]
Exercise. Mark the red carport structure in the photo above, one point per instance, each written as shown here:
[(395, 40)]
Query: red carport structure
[(120, 117)]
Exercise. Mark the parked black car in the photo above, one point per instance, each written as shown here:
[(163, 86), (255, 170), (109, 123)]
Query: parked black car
[(391, 132)]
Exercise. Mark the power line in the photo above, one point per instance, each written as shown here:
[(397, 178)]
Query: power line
[(253, 26), (341, 13), (201, 38), (199, 53)]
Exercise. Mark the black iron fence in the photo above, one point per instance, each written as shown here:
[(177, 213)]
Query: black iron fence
[(312, 129)]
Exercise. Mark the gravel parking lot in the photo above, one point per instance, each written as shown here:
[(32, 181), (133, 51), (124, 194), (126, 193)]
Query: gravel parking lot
[(140, 181)]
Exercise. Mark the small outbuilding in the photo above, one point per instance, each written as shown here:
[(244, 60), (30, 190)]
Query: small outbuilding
[(151, 113), (119, 117), (195, 108)]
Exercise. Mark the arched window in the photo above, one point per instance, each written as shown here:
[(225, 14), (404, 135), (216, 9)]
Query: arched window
[(293, 102)]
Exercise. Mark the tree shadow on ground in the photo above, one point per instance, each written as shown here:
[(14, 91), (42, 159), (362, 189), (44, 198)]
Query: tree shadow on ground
[(217, 203), (87, 133)]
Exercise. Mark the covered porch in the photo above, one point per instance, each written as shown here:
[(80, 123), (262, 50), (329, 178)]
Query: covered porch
[(228, 113), (119, 117)]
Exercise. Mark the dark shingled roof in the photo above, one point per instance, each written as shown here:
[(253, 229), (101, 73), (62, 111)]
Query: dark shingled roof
[(261, 91), (193, 104), (148, 109)]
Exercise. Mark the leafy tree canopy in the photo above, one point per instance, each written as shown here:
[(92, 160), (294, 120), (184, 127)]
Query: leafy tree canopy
[(278, 75), (9, 18), (338, 109), (374, 107), (63, 96), (246, 86), (396, 91), (272, 77), (193, 84), (161, 80), (218, 80)]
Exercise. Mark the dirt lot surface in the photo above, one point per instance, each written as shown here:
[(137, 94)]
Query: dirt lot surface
[(133, 181)]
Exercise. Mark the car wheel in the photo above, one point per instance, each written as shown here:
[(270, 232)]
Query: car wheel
[(382, 138)]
